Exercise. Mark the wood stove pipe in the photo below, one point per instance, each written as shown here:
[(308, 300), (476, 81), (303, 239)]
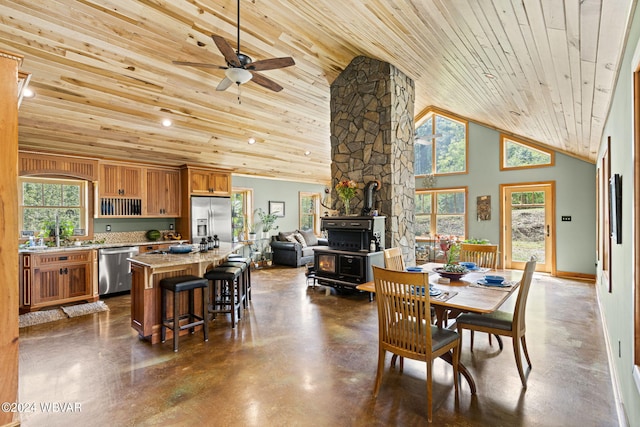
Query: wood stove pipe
[(369, 196)]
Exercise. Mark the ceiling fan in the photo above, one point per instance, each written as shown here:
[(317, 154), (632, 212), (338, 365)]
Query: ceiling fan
[(240, 68)]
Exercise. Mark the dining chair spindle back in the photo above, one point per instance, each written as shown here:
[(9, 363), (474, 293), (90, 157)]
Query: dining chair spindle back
[(404, 325), (393, 259), (482, 255)]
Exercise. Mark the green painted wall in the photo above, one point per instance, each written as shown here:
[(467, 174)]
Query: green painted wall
[(575, 196), (617, 306), (265, 190)]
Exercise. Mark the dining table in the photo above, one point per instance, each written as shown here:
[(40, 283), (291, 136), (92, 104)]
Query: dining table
[(469, 293)]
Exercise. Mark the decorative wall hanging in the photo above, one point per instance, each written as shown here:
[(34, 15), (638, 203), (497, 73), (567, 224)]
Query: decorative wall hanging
[(484, 208)]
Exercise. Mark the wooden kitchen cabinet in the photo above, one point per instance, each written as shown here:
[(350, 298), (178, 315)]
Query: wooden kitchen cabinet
[(120, 180), (55, 278), (163, 193), (204, 182)]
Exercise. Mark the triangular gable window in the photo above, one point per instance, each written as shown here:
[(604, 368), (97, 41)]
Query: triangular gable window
[(519, 155)]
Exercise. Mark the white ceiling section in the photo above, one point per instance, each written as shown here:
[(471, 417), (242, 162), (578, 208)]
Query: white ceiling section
[(104, 77)]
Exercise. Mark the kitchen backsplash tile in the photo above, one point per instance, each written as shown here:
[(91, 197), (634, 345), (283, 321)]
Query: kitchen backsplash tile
[(125, 236)]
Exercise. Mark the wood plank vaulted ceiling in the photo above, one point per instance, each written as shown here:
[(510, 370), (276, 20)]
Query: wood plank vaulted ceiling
[(104, 77)]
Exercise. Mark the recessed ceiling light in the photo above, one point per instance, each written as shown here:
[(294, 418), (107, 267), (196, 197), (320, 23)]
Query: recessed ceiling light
[(489, 76), (28, 93), (251, 140), (166, 123), (307, 153)]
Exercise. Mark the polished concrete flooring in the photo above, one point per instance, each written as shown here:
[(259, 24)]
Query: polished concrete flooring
[(307, 357)]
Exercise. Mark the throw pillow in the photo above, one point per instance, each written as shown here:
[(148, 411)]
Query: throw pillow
[(309, 237), (300, 239), (291, 238), (282, 236)]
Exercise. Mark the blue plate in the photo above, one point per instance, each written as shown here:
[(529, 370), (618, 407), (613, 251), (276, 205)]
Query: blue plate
[(432, 291), (414, 269), (494, 279), (469, 265), (497, 284)]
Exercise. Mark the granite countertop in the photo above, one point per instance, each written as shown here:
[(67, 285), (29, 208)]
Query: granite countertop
[(168, 260), (39, 249)]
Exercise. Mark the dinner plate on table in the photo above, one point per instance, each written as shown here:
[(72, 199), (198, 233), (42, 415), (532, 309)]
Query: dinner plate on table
[(414, 269), (497, 284), (432, 291)]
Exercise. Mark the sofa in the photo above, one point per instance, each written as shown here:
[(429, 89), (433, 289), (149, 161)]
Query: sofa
[(295, 248)]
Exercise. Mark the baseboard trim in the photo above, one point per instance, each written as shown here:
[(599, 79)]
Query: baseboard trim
[(615, 383), (576, 276)]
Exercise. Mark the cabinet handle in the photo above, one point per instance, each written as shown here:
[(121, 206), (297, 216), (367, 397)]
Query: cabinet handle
[(61, 271)]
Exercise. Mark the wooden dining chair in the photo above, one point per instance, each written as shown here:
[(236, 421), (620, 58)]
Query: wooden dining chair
[(504, 323), (404, 325), (393, 259), (482, 255)]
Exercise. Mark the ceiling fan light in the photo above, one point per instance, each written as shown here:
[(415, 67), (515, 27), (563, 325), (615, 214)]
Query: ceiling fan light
[(238, 75)]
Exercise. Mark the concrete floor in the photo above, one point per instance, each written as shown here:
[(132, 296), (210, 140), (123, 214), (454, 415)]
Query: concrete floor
[(307, 357)]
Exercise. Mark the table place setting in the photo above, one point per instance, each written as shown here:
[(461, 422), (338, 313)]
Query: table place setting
[(494, 282), (437, 294)]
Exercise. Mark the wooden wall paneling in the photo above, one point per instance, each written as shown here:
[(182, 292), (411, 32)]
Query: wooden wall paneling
[(9, 260)]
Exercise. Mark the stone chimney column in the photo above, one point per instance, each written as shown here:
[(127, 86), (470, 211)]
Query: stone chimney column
[(372, 110)]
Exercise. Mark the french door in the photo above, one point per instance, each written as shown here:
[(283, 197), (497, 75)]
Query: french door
[(528, 227)]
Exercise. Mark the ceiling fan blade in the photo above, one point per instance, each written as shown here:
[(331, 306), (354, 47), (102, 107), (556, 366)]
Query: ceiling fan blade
[(271, 64), (224, 84), (227, 51), (265, 82), (199, 64)]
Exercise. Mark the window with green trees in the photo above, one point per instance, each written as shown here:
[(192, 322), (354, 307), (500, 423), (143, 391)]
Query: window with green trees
[(41, 199), (241, 213), (440, 145), (519, 155), (441, 212), (310, 212)]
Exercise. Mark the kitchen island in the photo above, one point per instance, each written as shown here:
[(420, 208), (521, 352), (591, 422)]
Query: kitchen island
[(148, 269)]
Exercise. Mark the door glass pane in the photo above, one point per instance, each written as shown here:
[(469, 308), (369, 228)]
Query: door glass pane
[(527, 226)]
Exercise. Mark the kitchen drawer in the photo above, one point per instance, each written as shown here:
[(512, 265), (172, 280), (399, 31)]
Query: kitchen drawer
[(43, 260)]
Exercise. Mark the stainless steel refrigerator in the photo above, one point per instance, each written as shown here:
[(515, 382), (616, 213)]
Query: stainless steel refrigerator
[(210, 216)]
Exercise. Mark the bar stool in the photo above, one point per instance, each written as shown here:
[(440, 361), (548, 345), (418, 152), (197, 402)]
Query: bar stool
[(226, 294), (245, 265), (177, 285)]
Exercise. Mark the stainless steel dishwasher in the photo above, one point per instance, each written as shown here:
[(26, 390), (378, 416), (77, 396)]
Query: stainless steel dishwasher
[(114, 271)]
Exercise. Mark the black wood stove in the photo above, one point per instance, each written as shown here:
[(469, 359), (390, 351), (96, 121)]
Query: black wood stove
[(355, 245)]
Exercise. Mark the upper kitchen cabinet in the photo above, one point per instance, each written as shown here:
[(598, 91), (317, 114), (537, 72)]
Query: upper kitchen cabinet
[(208, 182), (163, 193), (120, 180), (120, 190)]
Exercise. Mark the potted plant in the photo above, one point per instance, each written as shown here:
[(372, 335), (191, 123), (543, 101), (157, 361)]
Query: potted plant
[(252, 232), (267, 221)]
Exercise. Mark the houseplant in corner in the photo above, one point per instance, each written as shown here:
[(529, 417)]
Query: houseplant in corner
[(267, 221)]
